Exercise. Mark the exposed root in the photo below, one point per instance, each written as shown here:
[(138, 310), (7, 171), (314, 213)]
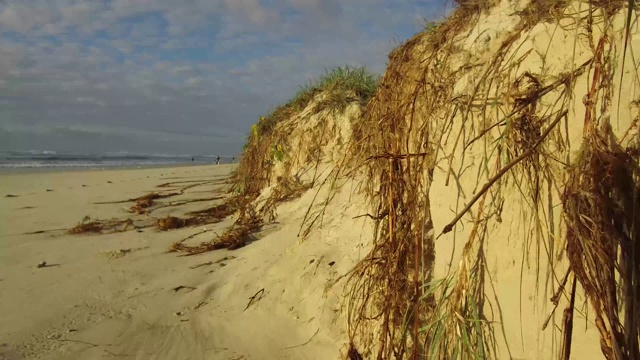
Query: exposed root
[(601, 205)]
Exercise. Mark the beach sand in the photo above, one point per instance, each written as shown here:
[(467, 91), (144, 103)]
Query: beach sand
[(122, 295)]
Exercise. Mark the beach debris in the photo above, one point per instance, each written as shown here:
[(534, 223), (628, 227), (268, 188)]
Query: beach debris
[(206, 216), (41, 265), (200, 265), (255, 298), (332, 263), (36, 232), (121, 253), (234, 237), (98, 226), (178, 313), (170, 223), (143, 203), (10, 196), (109, 182), (231, 257), (151, 196), (213, 262), (49, 190), (200, 304), (178, 288)]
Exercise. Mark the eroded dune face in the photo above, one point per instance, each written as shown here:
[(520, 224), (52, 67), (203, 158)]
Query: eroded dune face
[(504, 141)]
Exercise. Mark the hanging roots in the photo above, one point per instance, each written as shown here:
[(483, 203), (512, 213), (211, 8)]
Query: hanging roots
[(602, 211)]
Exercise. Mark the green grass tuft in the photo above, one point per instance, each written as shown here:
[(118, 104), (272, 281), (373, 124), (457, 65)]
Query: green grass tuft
[(340, 85)]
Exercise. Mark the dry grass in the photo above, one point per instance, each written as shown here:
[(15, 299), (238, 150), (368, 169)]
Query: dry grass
[(395, 308), (87, 226), (145, 204), (601, 204), (206, 216), (236, 236)]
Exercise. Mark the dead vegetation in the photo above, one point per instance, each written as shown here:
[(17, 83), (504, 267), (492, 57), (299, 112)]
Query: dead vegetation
[(601, 204), (234, 237), (88, 226), (144, 205), (438, 104), (210, 215)]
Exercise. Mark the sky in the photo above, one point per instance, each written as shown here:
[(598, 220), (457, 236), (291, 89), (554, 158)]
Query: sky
[(177, 76)]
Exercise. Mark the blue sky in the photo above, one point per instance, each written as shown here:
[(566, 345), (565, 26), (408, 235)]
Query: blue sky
[(177, 76)]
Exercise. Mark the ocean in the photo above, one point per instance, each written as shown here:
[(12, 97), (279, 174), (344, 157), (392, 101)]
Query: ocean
[(37, 159)]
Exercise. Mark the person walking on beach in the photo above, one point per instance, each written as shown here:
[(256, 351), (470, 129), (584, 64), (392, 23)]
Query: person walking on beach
[(218, 160)]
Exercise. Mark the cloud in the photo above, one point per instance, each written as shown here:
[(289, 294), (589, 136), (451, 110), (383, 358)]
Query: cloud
[(168, 74)]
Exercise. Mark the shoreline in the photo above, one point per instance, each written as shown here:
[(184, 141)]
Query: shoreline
[(82, 169)]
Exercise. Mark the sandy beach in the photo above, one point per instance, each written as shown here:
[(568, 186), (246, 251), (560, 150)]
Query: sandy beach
[(122, 294)]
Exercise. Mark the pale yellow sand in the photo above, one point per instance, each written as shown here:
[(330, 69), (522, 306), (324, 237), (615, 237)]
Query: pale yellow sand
[(91, 305)]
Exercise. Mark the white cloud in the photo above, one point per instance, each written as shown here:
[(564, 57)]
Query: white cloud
[(179, 66)]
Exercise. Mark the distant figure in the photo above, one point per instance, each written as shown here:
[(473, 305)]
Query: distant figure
[(233, 160), (191, 159), (218, 160)]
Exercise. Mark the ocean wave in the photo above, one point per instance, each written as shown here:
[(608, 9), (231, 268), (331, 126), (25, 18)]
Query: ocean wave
[(22, 165)]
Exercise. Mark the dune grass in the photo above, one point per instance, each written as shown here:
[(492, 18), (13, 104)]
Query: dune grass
[(340, 84)]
